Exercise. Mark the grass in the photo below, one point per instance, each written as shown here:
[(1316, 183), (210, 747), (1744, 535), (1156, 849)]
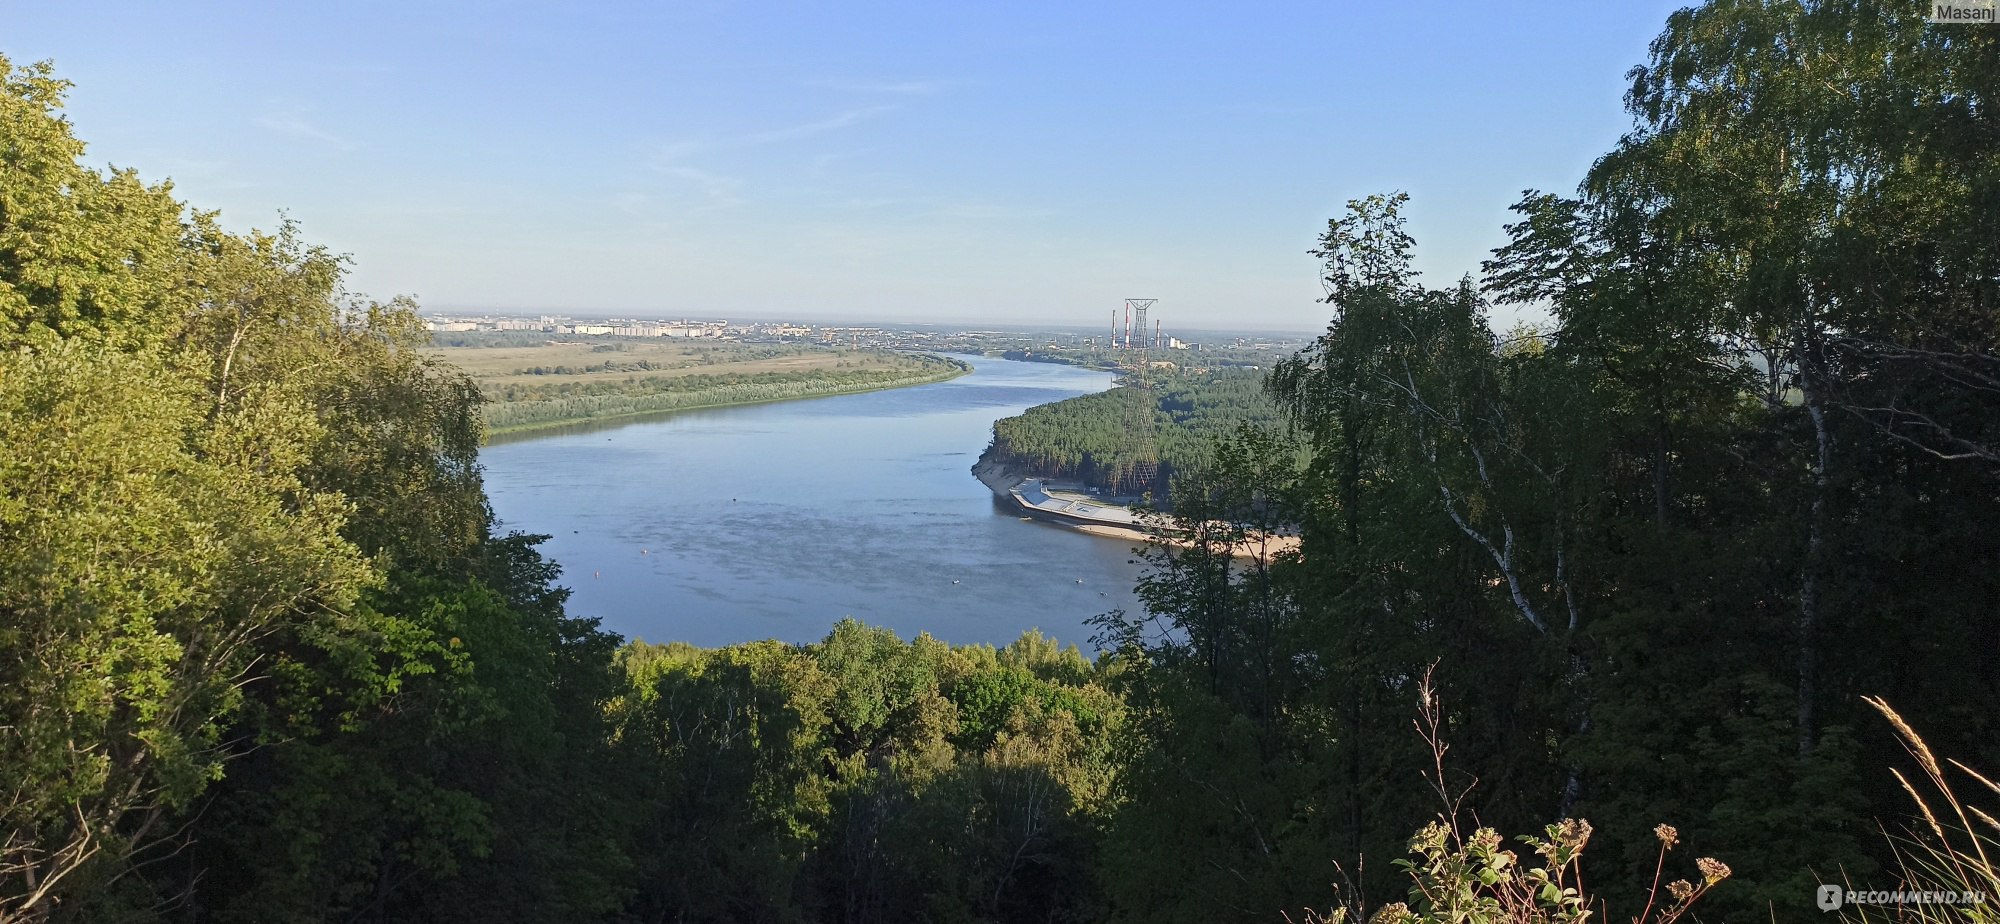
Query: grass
[(518, 429), (1957, 846), (495, 368), (1953, 848), (571, 381)]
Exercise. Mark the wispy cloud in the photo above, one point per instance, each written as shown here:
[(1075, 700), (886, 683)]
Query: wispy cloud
[(896, 87), (720, 189), (821, 162), (821, 127), (668, 160), (643, 207), (990, 212), (676, 159), (293, 126)]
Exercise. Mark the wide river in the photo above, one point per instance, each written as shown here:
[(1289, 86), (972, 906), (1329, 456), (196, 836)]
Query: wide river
[(776, 520)]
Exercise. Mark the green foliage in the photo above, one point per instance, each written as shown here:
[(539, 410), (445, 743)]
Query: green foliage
[(1663, 543), (256, 633), (1456, 877), (726, 748), (1470, 879), (149, 546), (865, 778), (265, 659), (1135, 440), (88, 255), (442, 790)]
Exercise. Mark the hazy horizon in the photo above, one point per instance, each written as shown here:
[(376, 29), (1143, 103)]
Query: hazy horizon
[(1024, 323), (895, 161)]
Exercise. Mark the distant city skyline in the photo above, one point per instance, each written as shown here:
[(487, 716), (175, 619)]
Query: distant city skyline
[(435, 317), (1027, 163)]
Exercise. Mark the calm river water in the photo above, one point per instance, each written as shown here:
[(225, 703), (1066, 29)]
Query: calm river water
[(775, 520)]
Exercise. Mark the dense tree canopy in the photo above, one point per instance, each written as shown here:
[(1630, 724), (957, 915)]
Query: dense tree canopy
[(262, 650), (1135, 438), (1661, 546), (266, 659)]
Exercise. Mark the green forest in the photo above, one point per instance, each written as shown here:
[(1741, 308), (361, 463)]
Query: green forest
[(1138, 437), (1214, 356), (1668, 607)]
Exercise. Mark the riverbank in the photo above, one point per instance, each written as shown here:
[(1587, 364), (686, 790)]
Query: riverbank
[(776, 520), (516, 418), (1015, 484)]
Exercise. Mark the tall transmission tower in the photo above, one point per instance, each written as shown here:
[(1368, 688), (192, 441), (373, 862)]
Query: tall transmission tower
[(1142, 461), (1135, 309)]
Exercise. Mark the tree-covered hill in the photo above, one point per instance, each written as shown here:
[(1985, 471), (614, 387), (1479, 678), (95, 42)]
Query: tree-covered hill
[(265, 658)]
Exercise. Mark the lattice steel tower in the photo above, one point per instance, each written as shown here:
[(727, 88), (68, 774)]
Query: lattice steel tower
[(1142, 447), (1136, 311)]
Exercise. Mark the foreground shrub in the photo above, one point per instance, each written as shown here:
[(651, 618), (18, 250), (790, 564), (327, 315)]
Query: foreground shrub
[(1456, 878)]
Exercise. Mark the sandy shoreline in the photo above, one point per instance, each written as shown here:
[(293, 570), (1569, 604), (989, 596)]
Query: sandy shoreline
[(1265, 548), (1003, 477)]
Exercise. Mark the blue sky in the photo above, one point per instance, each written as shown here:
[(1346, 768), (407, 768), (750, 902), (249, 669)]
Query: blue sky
[(939, 160)]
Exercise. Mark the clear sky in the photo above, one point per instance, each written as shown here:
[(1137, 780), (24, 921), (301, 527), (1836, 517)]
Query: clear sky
[(930, 160)]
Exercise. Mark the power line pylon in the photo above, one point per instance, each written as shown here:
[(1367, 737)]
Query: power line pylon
[(1140, 425), (1135, 310)]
